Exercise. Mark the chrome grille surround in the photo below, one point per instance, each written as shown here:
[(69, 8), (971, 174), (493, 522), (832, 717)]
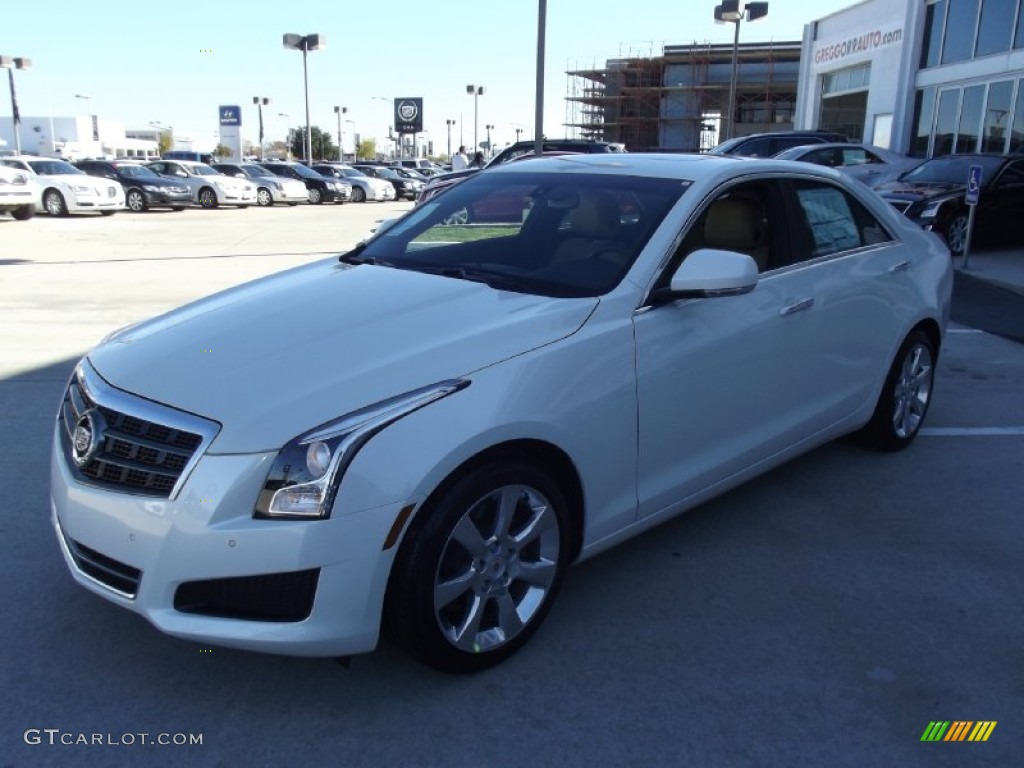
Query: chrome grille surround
[(143, 448)]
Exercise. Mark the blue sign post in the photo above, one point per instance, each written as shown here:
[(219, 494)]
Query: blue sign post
[(971, 198)]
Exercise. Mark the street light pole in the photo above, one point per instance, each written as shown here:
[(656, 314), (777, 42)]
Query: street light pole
[(305, 43), (449, 123), (10, 64), (477, 91), (259, 101), (339, 111), (490, 149), (287, 133), (355, 140), (733, 12)]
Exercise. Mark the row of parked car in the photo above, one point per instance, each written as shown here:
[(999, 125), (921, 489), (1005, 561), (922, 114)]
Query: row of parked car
[(29, 183)]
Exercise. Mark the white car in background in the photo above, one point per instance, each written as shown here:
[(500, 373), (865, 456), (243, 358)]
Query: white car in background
[(19, 194), (270, 189), (64, 189), (210, 188), (363, 187), (871, 165)]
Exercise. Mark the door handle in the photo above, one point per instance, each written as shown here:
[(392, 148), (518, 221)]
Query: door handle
[(903, 266), (799, 306)]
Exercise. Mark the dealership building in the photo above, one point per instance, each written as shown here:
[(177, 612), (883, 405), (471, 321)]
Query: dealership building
[(924, 77)]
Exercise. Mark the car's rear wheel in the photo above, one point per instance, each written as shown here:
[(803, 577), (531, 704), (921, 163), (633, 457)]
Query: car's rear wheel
[(207, 198), (315, 196), (107, 213), (135, 201), (358, 195), (177, 208), (905, 397), (24, 213), (263, 197), (956, 234), (480, 567), (53, 202)]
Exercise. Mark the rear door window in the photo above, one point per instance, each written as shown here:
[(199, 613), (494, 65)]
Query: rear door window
[(831, 221)]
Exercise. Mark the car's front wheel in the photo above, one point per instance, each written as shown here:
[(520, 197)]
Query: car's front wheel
[(479, 567), (956, 234), (905, 397), (263, 197), (53, 202), (358, 195), (315, 196)]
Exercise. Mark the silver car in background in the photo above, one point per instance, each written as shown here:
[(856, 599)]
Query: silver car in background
[(270, 189), (210, 188), (871, 165)]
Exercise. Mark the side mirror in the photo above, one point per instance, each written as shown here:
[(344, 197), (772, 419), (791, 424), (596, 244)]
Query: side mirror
[(708, 273)]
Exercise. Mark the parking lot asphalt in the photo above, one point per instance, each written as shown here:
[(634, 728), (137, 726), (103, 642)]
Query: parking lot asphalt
[(821, 615)]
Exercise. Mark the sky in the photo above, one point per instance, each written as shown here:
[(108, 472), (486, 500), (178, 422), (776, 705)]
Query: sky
[(174, 63)]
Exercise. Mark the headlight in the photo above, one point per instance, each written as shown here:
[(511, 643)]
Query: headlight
[(82, 189), (931, 210), (304, 478)]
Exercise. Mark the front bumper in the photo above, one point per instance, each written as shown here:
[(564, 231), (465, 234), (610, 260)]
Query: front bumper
[(145, 553), (163, 197)]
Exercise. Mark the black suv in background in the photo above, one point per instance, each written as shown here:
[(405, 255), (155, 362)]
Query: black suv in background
[(770, 144), (519, 149), (143, 188)]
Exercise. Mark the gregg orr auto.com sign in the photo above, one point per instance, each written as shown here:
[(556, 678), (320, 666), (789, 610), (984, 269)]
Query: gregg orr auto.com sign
[(857, 44)]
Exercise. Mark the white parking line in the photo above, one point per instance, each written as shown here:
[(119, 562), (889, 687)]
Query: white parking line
[(971, 431)]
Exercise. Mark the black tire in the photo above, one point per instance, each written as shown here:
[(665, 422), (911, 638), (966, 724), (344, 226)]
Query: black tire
[(264, 198), (906, 395), (53, 202), (177, 207), (107, 213), (207, 198), (24, 213), (440, 584), (292, 205), (135, 201), (955, 233), (316, 196), (358, 195)]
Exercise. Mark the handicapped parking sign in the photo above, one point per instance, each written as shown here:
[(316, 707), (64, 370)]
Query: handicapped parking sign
[(973, 184)]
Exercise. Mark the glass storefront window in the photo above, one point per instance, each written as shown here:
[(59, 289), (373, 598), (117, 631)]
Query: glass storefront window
[(1017, 132), (970, 119), (960, 26), (997, 116), (945, 121), (935, 16), (924, 106), (995, 30)]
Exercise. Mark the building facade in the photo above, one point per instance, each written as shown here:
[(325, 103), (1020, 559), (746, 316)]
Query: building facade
[(679, 101), (925, 77), (75, 137)]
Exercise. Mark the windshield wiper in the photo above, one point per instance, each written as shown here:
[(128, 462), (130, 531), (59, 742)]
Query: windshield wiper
[(492, 279), (354, 256)]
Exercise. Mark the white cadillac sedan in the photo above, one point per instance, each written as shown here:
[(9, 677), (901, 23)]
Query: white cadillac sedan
[(64, 189), (210, 188), (422, 435)]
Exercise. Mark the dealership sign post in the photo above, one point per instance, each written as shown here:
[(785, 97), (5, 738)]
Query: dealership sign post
[(230, 117), (408, 119), (971, 198)]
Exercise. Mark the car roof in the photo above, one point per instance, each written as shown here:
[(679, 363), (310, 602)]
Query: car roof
[(660, 165)]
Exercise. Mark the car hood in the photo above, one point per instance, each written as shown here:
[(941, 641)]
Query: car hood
[(919, 191), (273, 358), (159, 181)]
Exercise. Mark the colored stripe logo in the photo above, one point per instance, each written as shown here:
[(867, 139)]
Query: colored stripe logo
[(959, 730)]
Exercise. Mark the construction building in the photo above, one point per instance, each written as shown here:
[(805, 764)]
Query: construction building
[(678, 101)]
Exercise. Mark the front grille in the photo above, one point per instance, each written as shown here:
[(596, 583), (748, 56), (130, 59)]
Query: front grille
[(106, 570), (131, 453), (900, 205), (268, 597)]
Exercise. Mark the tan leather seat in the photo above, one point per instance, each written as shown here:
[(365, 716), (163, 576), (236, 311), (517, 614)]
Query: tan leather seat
[(734, 224), (594, 223)]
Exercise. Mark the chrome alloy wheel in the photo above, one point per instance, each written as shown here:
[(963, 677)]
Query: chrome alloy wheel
[(497, 568), (956, 234), (913, 389)]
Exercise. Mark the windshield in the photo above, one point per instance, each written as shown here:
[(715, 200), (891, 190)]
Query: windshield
[(136, 172), (255, 171), (203, 170), (545, 233), (353, 173), (304, 172), (387, 173), (53, 168), (953, 170)]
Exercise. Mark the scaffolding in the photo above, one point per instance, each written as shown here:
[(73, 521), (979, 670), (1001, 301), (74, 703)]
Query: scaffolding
[(678, 101)]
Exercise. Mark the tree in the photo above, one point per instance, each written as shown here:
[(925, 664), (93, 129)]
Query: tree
[(220, 152), (323, 147), (164, 142), (367, 149)]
